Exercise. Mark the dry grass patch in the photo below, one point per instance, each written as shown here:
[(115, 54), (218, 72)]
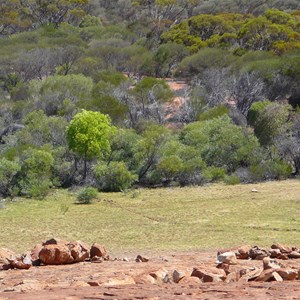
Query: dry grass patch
[(163, 219)]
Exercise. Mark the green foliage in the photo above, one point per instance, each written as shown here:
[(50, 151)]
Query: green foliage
[(88, 134), (170, 167), (232, 180), (255, 111), (213, 174), (8, 176), (270, 121), (271, 169), (86, 195), (114, 177), (221, 143), (36, 170), (214, 112)]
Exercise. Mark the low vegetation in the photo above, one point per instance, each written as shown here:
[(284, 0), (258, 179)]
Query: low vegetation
[(197, 218)]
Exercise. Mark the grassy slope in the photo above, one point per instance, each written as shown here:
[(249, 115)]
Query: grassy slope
[(163, 219)]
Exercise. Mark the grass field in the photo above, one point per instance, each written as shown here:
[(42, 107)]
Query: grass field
[(191, 218)]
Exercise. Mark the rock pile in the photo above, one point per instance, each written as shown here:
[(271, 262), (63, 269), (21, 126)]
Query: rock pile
[(278, 251), (52, 252)]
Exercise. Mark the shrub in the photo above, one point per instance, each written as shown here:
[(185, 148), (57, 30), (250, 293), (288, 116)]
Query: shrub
[(114, 177), (271, 169), (213, 174), (8, 172), (86, 195), (232, 180)]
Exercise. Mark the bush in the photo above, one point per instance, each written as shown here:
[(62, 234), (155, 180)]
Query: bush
[(214, 174), (272, 169), (8, 172), (86, 195), (232, 180), (114, 177)]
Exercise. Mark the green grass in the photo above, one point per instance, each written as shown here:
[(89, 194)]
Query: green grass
[(198, 218)]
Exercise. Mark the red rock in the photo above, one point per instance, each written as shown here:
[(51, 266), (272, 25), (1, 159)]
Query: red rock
[(282, 248), (140, 258), (98, 250), (232, 277), (209, 274), (269, 263), (266, 275), (250, 274), (160, 275), (79, 251), (288, 274), (243, 252), (227, 258), (277, 277), (5, 256), (35, 254), (22, 262), (275, 253), (294, 254), (177, 276), (258, 253), (56, 254)]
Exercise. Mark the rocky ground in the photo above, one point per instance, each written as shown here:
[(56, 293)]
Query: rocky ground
[(163, 276)]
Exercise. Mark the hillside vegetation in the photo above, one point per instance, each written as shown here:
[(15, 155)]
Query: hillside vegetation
[(85, 99)]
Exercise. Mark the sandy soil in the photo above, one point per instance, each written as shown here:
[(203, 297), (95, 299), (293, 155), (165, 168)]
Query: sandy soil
[(130, 280)]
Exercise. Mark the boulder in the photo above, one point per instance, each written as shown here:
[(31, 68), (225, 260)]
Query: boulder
[(275, 253), (268, 275), (79, 251), (287, 273), (56, 254), (250, 274), (35, 254), (98, 250), (269, 263), (21, 262), (282, 248), (227, 258), (5, 256), (232, 277), (243, 252), (258, 253), (294, 254), (209, 274), (160, 276)]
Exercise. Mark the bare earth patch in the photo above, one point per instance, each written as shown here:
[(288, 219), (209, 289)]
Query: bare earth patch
[(130, 280)]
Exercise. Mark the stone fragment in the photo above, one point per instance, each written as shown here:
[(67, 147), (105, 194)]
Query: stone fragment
[(140, 258), (287, 273), (269, 263), (243, 252), (79, 251), (250, 274), (282, 248), (258, 253), (35, 254), (227, 258), (98, 250), (177, 276), (5, 256), (161, 276), (232, 277), (266, 275), (209, 274), (294, 254), (21, 262)]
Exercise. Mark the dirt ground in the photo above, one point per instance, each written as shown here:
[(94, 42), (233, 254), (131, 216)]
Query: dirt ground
[(130, 280)]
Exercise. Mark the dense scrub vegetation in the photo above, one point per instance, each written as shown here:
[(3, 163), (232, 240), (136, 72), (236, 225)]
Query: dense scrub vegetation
[(84, 100)]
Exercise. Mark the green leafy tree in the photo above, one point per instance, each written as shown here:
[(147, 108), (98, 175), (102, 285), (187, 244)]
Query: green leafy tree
[(88, 135)]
